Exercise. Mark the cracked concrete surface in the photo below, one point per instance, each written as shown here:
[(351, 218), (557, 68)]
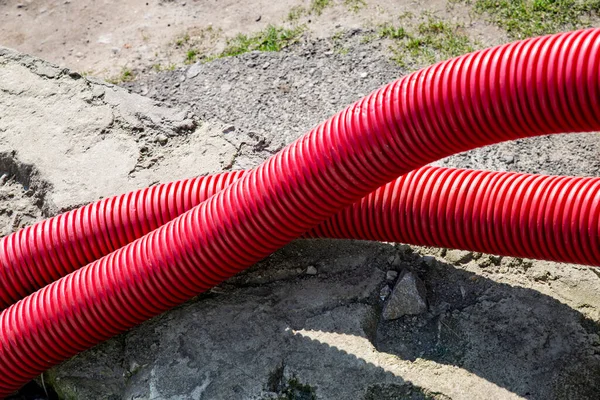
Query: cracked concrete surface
[(87, 139)]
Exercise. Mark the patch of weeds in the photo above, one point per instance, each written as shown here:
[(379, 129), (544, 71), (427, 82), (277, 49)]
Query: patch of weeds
[(271, 39), (368, 38), (160, 67), (526, 18), (182, 40), (190, 56), (296, 13), (196, 42), (355, 5), (338, 43), (317, 6), (388, 31), (433, 40), (126, 75)]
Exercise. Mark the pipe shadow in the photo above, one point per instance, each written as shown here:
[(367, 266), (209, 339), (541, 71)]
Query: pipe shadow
[(480, 337), (516, 337)]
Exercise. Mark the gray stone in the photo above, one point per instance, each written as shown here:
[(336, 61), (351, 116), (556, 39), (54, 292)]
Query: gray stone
[(407, 298), (458, 256), (430, 261), (384, 292), (162, 139), (311, 270), (186, 125), (391, 276), (229, 129), (194, 71)]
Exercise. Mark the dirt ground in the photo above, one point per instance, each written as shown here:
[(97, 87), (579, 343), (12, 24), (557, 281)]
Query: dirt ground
[(496, 327), (101, 38)]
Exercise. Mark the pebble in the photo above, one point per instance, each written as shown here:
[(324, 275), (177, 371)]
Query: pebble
[(364, 75), (186, 125), (429, 260), (384, 292), (194, 70), (311, 270), (407, 298), (391, 276), (229, 129), (509, 159), (458, 256), (162, 139)]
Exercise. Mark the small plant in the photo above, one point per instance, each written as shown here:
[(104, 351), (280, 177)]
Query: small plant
[(355, 5), (190, 56), (390, 32), (126, 75), (338, 43), (317, 6), (182, 40), (432, 40), (271, 39), (296, 13), (526, 18)]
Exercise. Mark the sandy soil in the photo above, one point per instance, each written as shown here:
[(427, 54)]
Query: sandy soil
[(103, 37)]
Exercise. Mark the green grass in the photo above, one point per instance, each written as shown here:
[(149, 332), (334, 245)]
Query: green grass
[(317, 6), (355, 5), (428, 42), (273, 38), (126, 75), (388, 31), (182, 40), (190, 56), (526, 18), (296, 13)]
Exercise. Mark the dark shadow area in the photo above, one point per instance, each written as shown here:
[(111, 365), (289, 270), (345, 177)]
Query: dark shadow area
[(518, 338), (34, 391), (239, 336)]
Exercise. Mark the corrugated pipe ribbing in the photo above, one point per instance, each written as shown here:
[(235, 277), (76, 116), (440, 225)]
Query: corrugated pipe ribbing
[(503, 213), (533, 87)]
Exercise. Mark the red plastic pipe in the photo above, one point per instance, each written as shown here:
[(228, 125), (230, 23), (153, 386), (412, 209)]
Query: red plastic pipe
[(431, 206), (528, 88)]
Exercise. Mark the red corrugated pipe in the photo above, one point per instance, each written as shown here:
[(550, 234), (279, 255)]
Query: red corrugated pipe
[(528, 88), (490, 212)]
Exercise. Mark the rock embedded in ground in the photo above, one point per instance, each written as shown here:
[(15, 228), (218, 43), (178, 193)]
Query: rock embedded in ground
[(458, 256), (391, 276), (407, 298)]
